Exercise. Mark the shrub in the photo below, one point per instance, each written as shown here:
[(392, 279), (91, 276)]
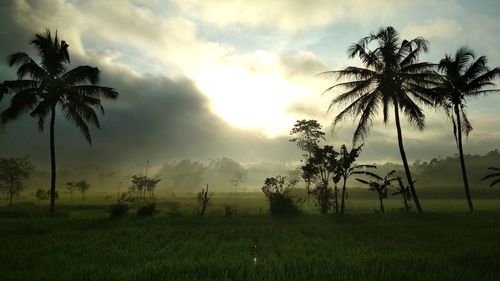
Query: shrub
[(173, 208), (277, 190), (119, 209), (41, 194), (146, 210), (230, 210)]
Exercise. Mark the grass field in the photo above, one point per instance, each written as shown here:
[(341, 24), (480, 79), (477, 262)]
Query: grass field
[(82, 243)]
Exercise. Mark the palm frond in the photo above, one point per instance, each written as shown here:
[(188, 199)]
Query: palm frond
[(21, 102), (465, 124), (412, 111), (366, 119), (74, 117), (81, 74), (95, 91)]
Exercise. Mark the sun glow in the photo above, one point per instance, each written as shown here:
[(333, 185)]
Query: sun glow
[(250, 99)]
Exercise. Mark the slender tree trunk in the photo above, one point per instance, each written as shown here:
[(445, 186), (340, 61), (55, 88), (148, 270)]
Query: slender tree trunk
[(336, 199), (11, 194), (52, 162), (342, 204), (462, 160), (403, 157), (381, 204)]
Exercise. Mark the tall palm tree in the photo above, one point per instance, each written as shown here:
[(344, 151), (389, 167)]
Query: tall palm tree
[(51, 88), (391, 76), (462, 77)]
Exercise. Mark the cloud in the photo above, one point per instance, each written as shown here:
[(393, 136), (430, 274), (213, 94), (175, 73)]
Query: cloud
[(287, 15), (441, 28)]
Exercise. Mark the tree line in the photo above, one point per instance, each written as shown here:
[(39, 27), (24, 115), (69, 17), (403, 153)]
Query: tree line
[(391, 78)]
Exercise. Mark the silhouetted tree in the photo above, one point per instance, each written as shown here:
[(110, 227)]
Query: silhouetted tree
[(320, 169), (391, 76), (142, 185), (462, 77), (70, 186), (495, 175), (82, 186), (51, 87), (405, 193), (12, 173), (346, 169), (203, 200), (277, 191), (380, 185), (307, 134)]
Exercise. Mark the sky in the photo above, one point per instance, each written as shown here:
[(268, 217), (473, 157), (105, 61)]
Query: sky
[(229, 78)]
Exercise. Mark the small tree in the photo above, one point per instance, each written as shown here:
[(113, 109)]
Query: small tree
[(70, 186), (12, 173), (380, 185), (346, 168), (405, 193), (320, 169), (307, 134), (82, 186), (238, 178), (41, 194), (203, 199), (142, 185)]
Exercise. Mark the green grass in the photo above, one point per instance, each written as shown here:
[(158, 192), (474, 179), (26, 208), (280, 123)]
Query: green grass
[(82, 243)]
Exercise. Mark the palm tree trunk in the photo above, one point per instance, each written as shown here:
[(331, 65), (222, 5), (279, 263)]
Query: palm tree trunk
[(403, 157), (462, 160), (342, 206), (52, 162)]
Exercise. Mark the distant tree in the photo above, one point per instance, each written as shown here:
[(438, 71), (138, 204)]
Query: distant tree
[(380, 185), (495, 175), (463, 78), (41, 194), (391, 76), (307, 134), (141, 185), (82, 186), (238, 178), (346, 168), (203, 200), (12, 173), (51, 87), (277, 191), (70, 186)]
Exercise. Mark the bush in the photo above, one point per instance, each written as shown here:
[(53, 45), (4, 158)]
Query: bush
[(119, 209), (147, 210), (277, 190), (173, 208), (230, 210), (41, 194)]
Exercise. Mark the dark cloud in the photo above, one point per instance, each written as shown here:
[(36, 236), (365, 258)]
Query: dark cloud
[(155, 118)]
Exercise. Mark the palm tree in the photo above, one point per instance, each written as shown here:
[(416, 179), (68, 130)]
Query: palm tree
[(495, 174), (462, 77), (391, 76), (51, 88)]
